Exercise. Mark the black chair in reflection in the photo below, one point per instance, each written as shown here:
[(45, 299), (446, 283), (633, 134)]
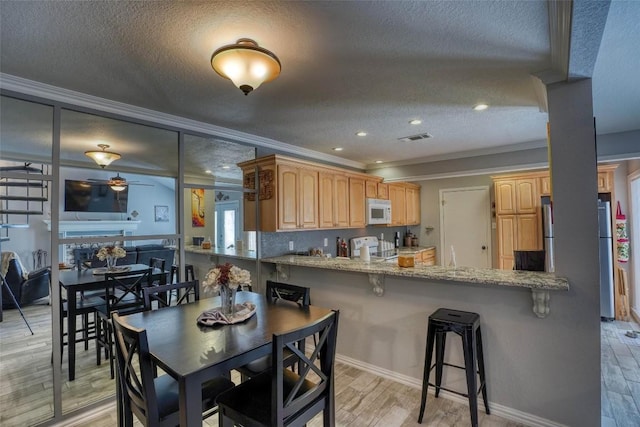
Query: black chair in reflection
[(189, 273), (153, 400), (278, 293), (281, 397), (163, 295), (124, 295), (158, 263)]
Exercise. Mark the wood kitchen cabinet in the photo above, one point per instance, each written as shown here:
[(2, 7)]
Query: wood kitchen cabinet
[(398, 197), (516, 233), (298, 198), (412, 194), (357, 197), (296, 194), (333, 200), (516, 196)]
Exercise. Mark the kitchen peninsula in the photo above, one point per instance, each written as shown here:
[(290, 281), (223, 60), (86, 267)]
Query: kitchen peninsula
[(386, 334), (539, 283), (205, 259)]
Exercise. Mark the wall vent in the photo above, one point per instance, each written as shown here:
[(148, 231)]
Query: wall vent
[(413, 138)]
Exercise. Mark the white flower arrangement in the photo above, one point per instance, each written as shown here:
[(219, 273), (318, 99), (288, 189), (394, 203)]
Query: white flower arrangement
[(113, 251), (226, 275)]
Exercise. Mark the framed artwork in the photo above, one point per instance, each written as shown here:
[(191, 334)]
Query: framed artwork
[(161, 213), (197, 207)]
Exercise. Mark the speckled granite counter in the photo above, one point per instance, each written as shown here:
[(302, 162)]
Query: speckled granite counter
[(230, 253), (539, 283), (520, 279)]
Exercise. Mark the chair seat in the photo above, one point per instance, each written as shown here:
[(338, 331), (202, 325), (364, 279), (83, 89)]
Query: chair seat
[(251, 398), (168, 392), (262, 364)]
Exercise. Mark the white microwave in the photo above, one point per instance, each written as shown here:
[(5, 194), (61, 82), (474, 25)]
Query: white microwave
[(378, 211)]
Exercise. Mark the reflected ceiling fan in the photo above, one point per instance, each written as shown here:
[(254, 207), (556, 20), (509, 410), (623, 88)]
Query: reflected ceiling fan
[(118, 183)]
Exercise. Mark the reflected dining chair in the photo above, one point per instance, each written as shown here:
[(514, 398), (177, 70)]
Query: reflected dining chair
[(281, 397), (158, 263), (123, 296), (153, 400), (278, 293), (163, 294)]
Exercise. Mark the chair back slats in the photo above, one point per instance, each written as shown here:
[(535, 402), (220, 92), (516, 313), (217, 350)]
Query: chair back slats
[(186, 292), (303, 389), (285, 292), (124, 289), (135, 370)]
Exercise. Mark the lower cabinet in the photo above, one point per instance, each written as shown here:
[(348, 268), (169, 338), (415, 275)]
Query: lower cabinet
[(516, 232)]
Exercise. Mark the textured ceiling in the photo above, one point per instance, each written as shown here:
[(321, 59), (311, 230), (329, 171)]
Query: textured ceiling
[(346, 66)]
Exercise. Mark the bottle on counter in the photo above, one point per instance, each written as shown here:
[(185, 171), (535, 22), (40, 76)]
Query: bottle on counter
[(338, 246), (397, 240), (407, 239), (344, 252)]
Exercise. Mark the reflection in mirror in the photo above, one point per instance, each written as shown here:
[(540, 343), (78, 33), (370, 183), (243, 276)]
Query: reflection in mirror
[(26, 136), (101, 206), (213, 161)]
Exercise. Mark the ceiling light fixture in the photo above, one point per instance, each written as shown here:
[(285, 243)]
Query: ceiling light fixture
[(246, 64), (226, 167), (415, 122), (117, 183), (378, 161), (103, 158), (481, 107), (361, 133), (338, 149)]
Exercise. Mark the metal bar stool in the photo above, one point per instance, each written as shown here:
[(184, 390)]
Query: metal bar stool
[(467, 325)]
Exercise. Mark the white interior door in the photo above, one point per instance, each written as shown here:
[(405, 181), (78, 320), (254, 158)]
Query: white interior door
[(465, 224), (227, 220)]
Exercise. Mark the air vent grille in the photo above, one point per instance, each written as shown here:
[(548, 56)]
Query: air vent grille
[(414, 138)]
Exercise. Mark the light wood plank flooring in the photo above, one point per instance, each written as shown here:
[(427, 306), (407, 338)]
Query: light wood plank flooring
[(362, 399)]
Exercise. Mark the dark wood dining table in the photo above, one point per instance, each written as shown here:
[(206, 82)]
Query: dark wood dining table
[(192, 354), (77, 281)]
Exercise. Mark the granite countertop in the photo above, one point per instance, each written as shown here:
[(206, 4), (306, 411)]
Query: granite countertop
[(230, 252), (482, 276)]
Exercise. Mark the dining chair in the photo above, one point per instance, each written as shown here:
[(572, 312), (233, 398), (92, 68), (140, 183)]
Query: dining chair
[(123, 296), (153, 400), (163, 294), (281, 397), (278, 293), (158, 263)]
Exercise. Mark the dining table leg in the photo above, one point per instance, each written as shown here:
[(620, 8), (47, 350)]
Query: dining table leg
[(71, 333), (190, 402)]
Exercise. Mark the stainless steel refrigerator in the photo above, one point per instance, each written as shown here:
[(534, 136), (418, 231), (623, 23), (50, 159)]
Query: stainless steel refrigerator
[(607, 311), (547, 234)]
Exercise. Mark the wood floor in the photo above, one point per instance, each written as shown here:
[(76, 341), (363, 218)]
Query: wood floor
[(362, 399)]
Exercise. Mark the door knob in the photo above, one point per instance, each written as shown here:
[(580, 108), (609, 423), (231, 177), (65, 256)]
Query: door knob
[(484, 247)]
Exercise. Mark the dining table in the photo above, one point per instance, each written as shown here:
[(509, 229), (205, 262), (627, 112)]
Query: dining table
[(192, 353), (76, 282)]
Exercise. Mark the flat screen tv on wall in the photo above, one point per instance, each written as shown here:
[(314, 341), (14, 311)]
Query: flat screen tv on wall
[(85, 196)]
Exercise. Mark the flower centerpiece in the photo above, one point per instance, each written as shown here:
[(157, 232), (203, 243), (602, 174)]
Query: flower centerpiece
[(111, 254), (226, 278)]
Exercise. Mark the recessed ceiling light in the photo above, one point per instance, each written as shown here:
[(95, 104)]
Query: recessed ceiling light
[(378, 161), (415, 122), (481, 107), (226, 167), (207, 171), (361, 133), (338, 149)]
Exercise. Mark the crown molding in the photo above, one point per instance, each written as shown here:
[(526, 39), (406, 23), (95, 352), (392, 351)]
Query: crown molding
[(54, 93)]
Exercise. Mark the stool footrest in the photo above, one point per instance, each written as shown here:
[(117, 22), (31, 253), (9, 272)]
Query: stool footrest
[(449, 364), (455, 391)]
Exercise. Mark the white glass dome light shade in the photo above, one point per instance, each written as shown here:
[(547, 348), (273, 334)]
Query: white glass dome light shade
[(246, 64)]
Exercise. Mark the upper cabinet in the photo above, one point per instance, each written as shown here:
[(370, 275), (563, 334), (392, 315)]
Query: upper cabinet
[(405, 203), (516, 196), (296, 194)]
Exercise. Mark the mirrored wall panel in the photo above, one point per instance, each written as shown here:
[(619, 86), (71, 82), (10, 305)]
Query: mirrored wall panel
[(26, 138)]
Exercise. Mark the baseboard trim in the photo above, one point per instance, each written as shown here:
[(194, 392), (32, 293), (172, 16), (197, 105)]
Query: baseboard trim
[(496, 409)]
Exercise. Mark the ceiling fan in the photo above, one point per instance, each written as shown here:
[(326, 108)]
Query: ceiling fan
[(118, 183)]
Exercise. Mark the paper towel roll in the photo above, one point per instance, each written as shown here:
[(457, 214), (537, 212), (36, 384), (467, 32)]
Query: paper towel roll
[(364, 254)]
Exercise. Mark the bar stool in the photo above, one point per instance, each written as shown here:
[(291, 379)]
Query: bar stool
[(467, 325), (189, 274)]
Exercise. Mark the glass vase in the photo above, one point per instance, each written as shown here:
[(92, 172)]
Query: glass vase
[(111, 263), (228, 300)]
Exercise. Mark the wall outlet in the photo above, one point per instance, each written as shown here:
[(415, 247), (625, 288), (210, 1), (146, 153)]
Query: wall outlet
[(290, 245), (326, 242)]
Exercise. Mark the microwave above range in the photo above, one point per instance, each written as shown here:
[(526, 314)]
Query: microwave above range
[(378, 211)]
